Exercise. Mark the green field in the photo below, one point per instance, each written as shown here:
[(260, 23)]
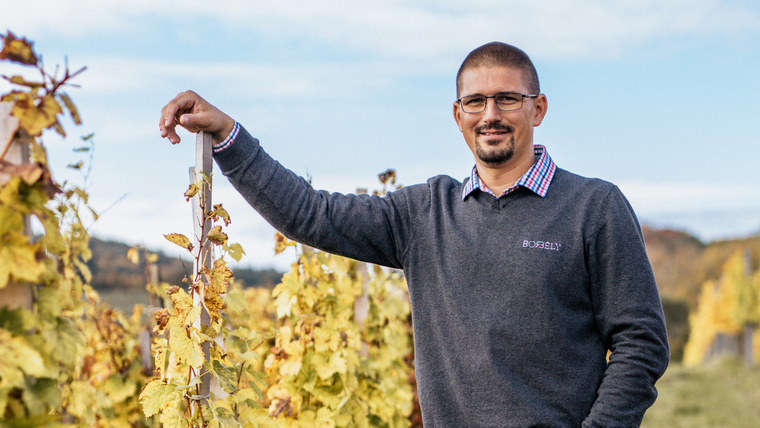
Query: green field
[(721, 394)]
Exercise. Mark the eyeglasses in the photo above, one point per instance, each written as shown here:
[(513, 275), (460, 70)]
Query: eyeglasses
[(505, 101)]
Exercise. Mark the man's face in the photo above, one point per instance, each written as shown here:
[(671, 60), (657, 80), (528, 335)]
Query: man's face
[(498, 138)]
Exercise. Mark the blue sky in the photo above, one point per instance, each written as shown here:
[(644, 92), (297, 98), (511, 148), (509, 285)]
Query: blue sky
[(659, 97)]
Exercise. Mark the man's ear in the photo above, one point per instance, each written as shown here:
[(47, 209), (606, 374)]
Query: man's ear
[(540, 105), (458, 115)]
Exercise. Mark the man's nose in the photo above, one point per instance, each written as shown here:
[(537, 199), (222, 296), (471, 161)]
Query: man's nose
[(491, 113)]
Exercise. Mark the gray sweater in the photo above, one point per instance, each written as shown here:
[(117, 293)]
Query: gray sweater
[(515, 301)]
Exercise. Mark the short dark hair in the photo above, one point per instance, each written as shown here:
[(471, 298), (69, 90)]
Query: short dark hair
[(498, 54)]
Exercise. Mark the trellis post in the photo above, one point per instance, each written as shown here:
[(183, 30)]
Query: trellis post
[(201, 173), (15, 152)]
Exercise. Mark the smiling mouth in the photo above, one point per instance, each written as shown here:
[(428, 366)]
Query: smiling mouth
[(494, 130)]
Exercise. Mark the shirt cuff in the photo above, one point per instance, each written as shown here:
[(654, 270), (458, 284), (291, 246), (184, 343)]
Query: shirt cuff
[(218, 148)]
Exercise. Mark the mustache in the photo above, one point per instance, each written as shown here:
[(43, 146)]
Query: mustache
[(493, 127)]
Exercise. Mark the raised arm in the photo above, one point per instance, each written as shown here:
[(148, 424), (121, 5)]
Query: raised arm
[(366, 228), (195, 114)]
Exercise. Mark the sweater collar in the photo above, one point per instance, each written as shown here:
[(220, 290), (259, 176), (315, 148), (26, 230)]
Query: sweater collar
[(536, 179)]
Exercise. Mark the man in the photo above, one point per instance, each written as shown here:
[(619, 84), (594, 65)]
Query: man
[(521, 278)]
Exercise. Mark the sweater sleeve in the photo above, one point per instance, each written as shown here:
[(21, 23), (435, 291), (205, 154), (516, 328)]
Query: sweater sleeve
[(362, 227), (628, 314)]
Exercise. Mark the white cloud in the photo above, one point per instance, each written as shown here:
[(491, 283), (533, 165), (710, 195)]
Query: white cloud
[(116, 74), (709, 211), (656, 198), (404, 29)]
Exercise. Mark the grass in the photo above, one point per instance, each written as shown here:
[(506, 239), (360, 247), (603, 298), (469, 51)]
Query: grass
[(124, 299), (723, 393)]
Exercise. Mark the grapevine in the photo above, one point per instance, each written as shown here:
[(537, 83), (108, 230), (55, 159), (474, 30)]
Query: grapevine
[(295, 357), (68, 360)]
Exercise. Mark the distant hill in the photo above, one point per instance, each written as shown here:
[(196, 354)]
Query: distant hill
[(111, 269), (681, 264)]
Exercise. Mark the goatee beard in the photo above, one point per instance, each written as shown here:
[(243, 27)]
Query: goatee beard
[(494, 156)]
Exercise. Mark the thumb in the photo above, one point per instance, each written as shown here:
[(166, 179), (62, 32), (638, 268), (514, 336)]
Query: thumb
[(191, 121)]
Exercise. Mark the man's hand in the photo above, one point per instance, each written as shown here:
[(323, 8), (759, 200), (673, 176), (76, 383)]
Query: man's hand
[(195, 114)]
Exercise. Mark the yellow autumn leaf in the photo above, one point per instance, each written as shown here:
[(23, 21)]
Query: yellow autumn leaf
[(19, 80), (290, 367), (18, 50), (133, 255), (16, 351), (235, 251), (219, 212), (71, 108), (180, 239), (215, 305), (34, 117), (153, 396), (327, 366), (281, 243), (18, 260), (192, 191), (185, 343), (216, 236), (220, 277), (182, 303)]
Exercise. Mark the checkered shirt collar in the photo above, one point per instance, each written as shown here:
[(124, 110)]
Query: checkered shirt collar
[(536, 179)]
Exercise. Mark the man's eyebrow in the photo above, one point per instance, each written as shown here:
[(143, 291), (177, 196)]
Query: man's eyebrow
[(498, 93)]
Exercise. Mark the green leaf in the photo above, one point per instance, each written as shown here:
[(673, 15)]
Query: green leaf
[(16, 321), (225, 418), (41, 394), (227, 377)]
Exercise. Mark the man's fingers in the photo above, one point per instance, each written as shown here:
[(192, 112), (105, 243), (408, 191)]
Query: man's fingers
[(195, 114), (173, 112), (167, 125)]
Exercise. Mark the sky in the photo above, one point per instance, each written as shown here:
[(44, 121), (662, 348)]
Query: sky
[(660, 97)]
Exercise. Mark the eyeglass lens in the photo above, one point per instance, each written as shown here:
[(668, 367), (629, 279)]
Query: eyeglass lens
[(504, 102)]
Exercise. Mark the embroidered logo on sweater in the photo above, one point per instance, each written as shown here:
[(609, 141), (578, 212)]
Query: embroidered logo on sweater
[(542, 245)]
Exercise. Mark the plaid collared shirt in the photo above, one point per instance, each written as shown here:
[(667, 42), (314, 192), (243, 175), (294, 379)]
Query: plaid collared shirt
[(229, 140), (537, 178)]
